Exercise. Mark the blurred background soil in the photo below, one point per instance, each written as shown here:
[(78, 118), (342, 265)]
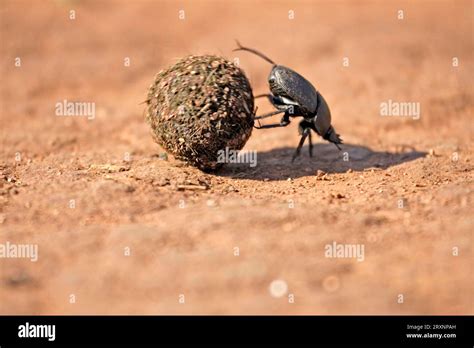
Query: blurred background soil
[(117, 234)]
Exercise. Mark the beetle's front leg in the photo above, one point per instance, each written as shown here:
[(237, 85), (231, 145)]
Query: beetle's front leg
[(269, 114), (285, 121), (265, 95)]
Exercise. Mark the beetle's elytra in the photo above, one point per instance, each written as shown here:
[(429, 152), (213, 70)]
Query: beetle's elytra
[(294, 96)]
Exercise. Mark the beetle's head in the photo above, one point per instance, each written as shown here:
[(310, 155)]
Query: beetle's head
[(275, 79)]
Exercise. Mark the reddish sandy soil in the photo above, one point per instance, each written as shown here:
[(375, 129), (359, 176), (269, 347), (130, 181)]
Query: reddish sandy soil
[(86, 191)]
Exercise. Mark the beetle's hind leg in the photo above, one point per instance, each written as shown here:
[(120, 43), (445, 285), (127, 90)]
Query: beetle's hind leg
[(305, 134), (304, 129)]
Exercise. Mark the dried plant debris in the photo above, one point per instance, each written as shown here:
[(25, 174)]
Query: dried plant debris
[(199, 106)]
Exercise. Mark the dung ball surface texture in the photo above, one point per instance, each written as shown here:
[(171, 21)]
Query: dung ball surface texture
[(199, 107)]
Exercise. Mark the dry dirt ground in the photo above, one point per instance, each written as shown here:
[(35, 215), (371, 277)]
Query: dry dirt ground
[(114, 232)]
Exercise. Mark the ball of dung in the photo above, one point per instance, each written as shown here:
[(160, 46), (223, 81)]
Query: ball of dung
[(199, 107)]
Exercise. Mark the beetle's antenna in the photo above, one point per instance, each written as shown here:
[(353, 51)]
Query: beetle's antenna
[(261, 55)]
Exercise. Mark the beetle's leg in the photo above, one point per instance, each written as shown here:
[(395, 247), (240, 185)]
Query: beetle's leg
[(281, 108), (303, 126), (310, 143), (274, 100), (285, 121), (300, 145), (269, 114), (273, 125), (268, 95)]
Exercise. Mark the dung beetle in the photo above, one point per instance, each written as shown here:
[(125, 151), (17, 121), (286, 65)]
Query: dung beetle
[(294, 96)]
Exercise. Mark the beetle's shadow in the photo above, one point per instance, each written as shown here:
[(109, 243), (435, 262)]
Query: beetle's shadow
[(276, 164)]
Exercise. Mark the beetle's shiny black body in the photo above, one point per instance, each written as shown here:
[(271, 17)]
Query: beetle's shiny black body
[(295, 96), (288, 83)]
